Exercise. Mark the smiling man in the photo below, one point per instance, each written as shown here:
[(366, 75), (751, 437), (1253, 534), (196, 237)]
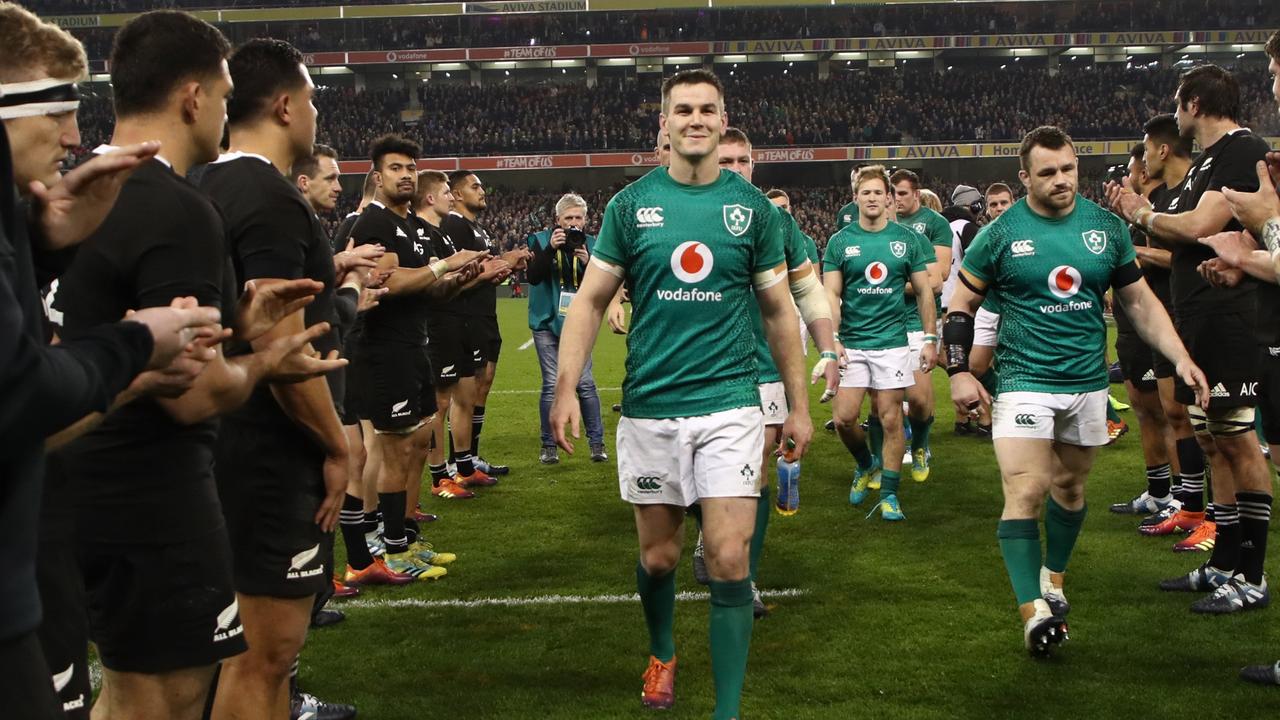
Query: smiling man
[(693, 242)]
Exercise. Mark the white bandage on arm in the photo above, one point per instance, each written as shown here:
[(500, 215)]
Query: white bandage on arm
[(613, 270), (811, 298), (766, 279), (616, 270)]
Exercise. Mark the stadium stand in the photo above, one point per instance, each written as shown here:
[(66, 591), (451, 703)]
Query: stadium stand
[(708, 24)]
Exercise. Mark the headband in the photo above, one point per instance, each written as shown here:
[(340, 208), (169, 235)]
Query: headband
[(38, 97)]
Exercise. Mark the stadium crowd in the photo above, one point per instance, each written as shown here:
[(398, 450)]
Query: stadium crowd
[(205, 389), (811, 22), (674, 26), (914, 106)]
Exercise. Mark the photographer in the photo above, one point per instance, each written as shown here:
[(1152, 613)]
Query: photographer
[(559, 261)]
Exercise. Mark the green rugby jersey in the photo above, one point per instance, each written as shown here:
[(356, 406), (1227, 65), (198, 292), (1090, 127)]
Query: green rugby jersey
[(1051, 274), (689, 253), (846, 216), (797, 255), (875, 267), (811, 250), (937, 231)]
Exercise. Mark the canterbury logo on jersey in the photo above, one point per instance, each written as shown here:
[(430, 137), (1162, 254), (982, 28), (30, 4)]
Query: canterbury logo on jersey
[(853, 251), (649, 217), (1024, 420), (649, 483), (223, 628), (300, 561), (1023, 248)]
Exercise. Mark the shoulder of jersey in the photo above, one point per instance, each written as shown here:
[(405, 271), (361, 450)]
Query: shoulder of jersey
[(1096, 210)]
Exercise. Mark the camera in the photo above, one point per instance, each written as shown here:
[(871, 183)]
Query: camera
[(574, 238)]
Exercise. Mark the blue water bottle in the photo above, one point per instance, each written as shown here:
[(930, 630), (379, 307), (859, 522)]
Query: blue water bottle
[(788, 500)]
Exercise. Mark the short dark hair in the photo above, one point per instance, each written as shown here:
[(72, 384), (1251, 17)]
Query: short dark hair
[(1163, 130), (1138, 151), (777, 193), (904, 174), (458, 177), (261, 70), (155, 52), (999, 187), (697, 76), (309, 165), (370, 187), (1273, 46), (392, 144), (1214, 88), (1045, 136), (734, 135)]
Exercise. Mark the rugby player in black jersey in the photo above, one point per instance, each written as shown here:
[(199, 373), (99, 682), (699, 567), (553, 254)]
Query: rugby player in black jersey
[(400, 396), (1222, 328), (282, 459), (1137, 363), (359, 289), (452, 358), (479, 305), (150, 523), (53, 393), (1167, 156)]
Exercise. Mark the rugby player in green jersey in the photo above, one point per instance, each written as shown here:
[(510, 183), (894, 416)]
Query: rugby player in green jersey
[(866, 270), (1052, 257), (696, 245), (937, 231), (736, 157)]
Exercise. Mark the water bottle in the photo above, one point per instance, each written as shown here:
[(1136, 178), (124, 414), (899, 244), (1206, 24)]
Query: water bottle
[(788, 500)]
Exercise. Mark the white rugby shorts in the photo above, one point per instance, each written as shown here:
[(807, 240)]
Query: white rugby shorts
[(678, 461), (889, 369), (1071, 418)]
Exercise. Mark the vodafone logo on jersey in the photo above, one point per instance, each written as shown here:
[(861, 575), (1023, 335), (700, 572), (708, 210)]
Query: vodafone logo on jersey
[(1064, 282), (876, 273), (692, 261)]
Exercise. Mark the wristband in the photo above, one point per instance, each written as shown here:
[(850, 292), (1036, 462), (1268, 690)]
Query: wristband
[(957, 335), (353, 285), (1145, 216), (439, 268), (930, 337), (828, 354)]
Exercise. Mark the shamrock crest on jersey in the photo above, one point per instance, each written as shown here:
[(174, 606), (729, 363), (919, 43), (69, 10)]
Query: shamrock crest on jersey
[(1095, 240), (737, 219)]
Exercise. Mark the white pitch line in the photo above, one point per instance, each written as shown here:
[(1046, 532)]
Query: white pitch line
[(534, 392), (540, 600), (527, 344)]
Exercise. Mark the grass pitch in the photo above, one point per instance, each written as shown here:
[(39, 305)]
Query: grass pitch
[(914, 620)]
